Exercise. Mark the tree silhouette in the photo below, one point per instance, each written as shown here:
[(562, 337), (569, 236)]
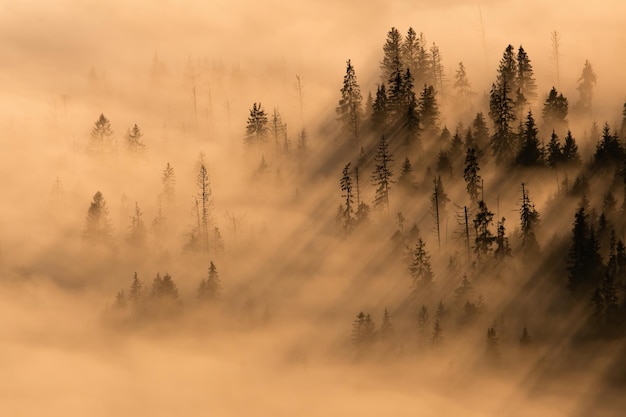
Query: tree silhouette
[(420, 268), (101, 141), (210, 289), (382, 175), (134, 144), (349, 111), (586, 84), (346, 189), (256, 128), (97, 226), (471, 175)]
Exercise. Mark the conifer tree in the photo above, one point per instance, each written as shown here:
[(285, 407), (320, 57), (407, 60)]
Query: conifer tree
[(134, 143), (530, 153), (363, 330), (420, 268), (525, 339), (570, 150), (349, 111), (481, 132), (406, 178), (529, 218), (97, 225), (135, 294), (382, 175), (346, 189), (386, 328), (257, 126), (277, 129), (525, 82), (555, 151), (101, 141), (501, 111), (586, 84), (584, 261), (609, 151), (380, 110), (503, 249), (392, 54), (555, 110), (428, 111), (210, 288), (462, 85), (471, 175), (168, 179), (484, 237), (137, 233), (410, 51)]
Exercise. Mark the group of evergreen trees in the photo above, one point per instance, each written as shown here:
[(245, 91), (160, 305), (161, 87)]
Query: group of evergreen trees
[(516, 142), (162, 299)]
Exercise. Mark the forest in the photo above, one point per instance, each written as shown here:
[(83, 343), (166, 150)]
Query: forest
[(411, 233)]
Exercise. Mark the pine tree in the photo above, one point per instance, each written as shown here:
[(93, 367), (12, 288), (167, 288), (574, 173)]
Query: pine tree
[(428, 111), (570, 150), (101, 141), (584, 261), (422, 319), (410, 51), (501, 111), (406, 178), (555, 152), (168, 179), (586, 84), (135, 294), (484, 238), (412, 123), (277, 129), (256, 128), (529, 218), (462, 85), (346, 188), (420, 268), (210, 288), (481, 132), (525, 83), (436, 68), (134, 144), (363, 330), (392, 54), (555, 111), (609, 151), (137, 234), (97, 226), (530, 153), (503, 249), (379, 109), (386, 328), (349, 110), (471, 175), (382, 175), (465, 289)]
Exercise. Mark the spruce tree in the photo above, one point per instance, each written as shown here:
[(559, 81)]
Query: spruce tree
[(257, 126), (97, 225), (503, 142), (586, 84), (428, 111), (379, 110), (134, 144), (555, 151), (349, 110), (484, 237), (392, 54), (420, 268), (168, 179), (525, 82), (471, 175), (570, 150), (346, 189), (503, 249), (382, 175), (101, 141), (529, 219), (530, 153), (555, 110)]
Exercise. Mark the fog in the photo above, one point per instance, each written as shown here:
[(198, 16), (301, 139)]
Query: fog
[(278, 339)]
